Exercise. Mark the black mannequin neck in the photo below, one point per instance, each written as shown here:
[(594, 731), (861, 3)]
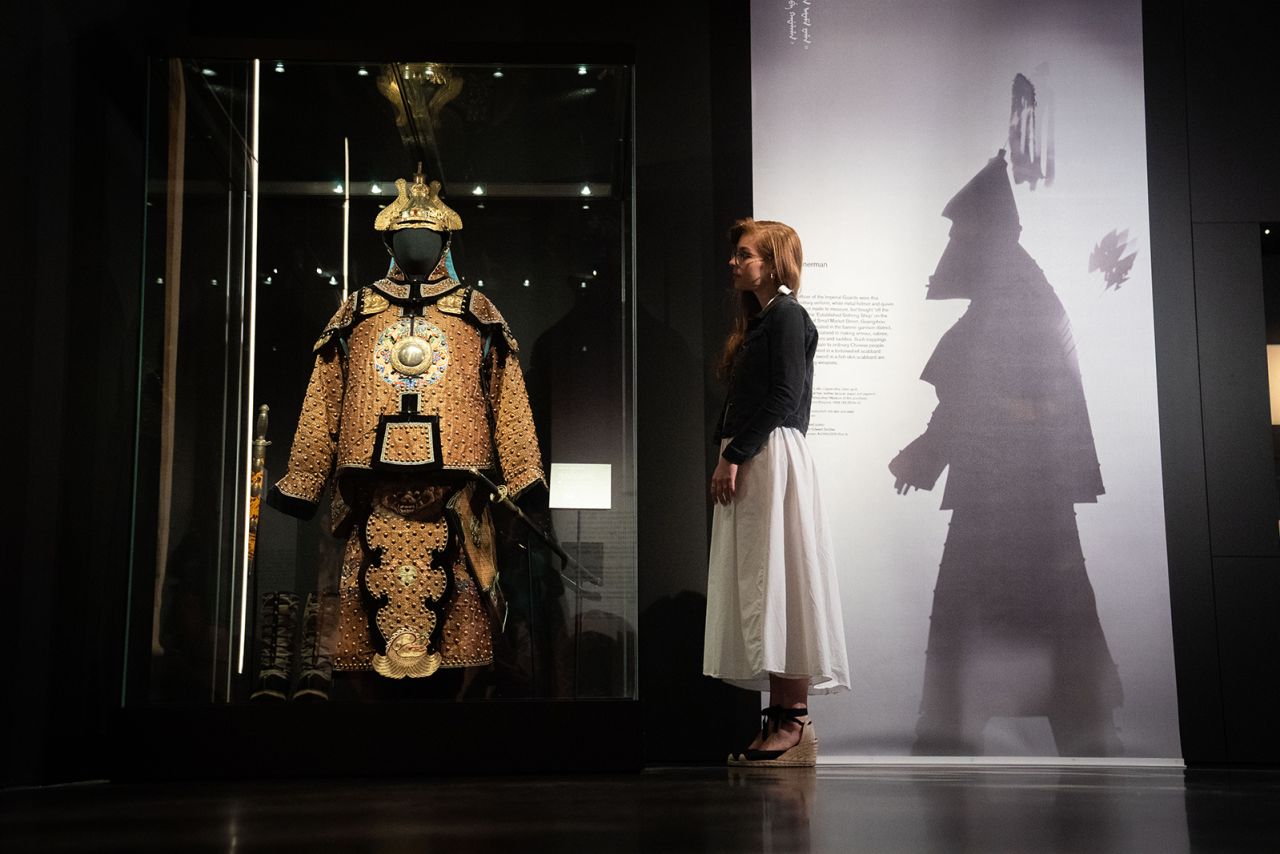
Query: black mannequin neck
[(417, 251)]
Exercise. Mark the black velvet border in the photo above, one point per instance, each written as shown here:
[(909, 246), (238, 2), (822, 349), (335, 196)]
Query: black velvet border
[(296, 507)]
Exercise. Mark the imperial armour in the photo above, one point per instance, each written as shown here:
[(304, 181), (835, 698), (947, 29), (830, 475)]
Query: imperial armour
[(415, 384)]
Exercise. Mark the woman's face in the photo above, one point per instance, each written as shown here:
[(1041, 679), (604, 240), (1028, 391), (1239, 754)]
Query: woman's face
[(749, 269)]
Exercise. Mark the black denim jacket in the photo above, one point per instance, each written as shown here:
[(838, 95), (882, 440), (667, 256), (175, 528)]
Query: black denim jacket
[(771, 384)]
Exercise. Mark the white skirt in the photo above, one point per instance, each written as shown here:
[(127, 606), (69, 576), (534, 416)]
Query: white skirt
[(773, 601)]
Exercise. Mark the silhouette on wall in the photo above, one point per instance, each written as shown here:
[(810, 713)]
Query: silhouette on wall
[(1014, 630), (1108, 258), (1031, 148)]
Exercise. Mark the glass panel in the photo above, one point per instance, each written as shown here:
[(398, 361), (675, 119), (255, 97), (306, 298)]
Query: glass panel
[(536, 162), (190, 378)]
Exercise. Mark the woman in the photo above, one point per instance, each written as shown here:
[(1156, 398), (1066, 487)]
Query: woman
[(773, 606)]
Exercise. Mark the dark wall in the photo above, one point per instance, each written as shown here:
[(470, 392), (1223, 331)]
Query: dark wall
[(1211, 114), (77, 99), (76, 91)]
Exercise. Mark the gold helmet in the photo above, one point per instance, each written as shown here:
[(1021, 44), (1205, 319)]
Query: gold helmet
[(418, 206)]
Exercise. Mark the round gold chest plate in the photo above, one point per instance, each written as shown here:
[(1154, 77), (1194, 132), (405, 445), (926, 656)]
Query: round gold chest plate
[(411, 353), (411, 356)]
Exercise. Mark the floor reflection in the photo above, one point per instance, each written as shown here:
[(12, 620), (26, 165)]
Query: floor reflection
[(883, 809), (964, 809), (999, 810), (784, 799)]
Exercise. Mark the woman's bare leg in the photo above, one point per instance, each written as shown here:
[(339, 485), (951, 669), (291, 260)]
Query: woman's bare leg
[(789, 694)]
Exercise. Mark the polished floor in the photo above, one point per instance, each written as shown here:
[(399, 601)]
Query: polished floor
[(839, 809)]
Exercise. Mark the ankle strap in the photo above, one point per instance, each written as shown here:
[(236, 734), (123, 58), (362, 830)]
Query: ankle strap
[(790, 714), (780, 713), (767, 716)]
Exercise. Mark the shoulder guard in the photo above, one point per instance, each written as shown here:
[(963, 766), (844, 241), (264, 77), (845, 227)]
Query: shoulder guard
[(342, 320), (452, 302), (482, 310)]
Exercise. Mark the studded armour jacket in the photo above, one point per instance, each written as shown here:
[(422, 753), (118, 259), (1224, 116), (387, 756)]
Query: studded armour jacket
[(411, 377)]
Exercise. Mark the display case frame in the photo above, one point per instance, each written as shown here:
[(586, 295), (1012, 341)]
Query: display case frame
[(151, 726)]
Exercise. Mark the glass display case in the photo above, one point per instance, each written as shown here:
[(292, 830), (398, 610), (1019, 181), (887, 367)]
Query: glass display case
[(265, 179)]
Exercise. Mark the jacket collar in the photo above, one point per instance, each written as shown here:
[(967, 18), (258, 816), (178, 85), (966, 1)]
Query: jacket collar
[(398, 286)]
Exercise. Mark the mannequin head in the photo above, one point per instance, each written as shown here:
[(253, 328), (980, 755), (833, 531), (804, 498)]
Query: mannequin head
[(416, 250)]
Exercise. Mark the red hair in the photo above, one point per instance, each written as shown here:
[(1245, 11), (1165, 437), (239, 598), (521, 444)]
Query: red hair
[(779, 247)]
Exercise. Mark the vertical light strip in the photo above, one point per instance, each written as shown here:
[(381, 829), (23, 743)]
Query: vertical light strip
[(1273, 379), (253, 340), (346, 212)]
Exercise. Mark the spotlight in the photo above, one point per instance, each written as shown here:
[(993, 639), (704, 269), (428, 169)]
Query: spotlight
[(526, 283), (376, 189), (582, 70), (362, 71), (480, 283), (585, 191), (279, 67), (497, 72), (333, 280), (319, 272), (337, 188), (208, 72), (477, 190)]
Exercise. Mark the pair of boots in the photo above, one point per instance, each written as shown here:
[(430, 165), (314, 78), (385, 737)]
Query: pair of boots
[(278, 642)]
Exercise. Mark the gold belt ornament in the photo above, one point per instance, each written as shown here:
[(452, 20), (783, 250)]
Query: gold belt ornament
[(409, 577)]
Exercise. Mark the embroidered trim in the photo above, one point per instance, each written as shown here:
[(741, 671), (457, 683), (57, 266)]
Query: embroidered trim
[(284, 491)]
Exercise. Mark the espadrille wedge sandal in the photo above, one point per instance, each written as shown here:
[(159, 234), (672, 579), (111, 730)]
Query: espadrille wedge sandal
[(802, 754)]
